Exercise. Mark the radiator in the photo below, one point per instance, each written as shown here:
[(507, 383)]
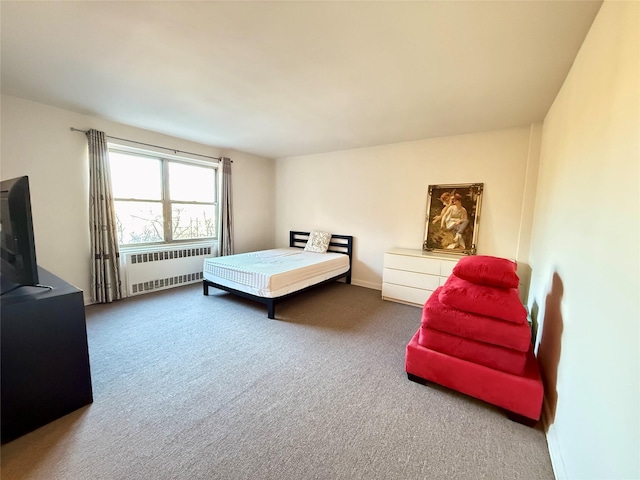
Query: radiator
[(164, 267)]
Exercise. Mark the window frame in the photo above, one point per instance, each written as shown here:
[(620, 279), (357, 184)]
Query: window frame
[(165, 200)]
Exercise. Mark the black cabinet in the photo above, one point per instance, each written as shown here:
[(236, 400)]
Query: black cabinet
[(45, 370)]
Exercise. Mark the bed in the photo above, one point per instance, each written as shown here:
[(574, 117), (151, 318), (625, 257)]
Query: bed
[(270, 276)]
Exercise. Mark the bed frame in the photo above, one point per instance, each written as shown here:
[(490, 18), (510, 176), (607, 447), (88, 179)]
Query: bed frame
[(338, 244)]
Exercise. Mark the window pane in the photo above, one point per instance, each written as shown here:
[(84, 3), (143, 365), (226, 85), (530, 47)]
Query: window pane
[(193, 221), (135, 177), (191, 183), (139, 222)]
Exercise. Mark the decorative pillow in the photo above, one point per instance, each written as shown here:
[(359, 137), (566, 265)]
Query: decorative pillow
[(487, 270), (502, 303), (318, 242)]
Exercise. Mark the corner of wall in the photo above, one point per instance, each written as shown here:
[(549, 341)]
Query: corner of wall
[(527, 210)]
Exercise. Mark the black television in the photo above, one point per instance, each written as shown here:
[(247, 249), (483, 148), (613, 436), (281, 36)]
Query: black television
[(18, 265)]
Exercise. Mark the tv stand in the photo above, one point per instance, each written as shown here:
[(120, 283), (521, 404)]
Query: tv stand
[(45, 371), (22, 290)]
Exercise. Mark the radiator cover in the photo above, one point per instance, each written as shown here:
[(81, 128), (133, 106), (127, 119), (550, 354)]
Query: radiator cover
[(163, 267)]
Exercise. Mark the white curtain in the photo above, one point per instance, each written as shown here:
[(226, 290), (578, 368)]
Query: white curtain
[(105, 255), (226, 210)]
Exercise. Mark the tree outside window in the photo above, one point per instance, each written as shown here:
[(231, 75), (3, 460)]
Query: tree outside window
[(162, 200)]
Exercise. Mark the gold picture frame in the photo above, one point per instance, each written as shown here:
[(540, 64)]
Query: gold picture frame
[(451, 223)]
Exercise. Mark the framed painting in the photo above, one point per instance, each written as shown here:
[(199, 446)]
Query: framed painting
[(451, 224)]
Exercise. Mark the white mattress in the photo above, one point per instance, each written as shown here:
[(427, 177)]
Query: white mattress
[(276, 272)]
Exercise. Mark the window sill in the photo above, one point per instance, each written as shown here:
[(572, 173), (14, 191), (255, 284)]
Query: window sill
[(161, 247)]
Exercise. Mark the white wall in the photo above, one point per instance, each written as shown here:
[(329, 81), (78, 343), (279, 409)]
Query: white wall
[(584, 255), (36, 141), (379, 194)]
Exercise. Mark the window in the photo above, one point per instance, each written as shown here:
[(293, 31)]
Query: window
[(160, 199)]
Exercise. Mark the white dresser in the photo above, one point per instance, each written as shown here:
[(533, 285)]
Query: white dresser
[(410, 276)]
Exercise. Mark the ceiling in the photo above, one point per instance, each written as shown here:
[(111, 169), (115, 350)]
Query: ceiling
[(279, 79)]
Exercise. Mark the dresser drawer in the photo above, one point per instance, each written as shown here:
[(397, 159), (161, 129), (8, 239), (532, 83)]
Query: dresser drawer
[(415, 296), (411, 276), (410, 279), (412, 264), (446, 267)]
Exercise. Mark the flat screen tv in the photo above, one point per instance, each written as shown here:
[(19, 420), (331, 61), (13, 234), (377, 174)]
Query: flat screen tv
[(18, 266)]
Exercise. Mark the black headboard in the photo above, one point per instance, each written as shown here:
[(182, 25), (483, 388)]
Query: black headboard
[(338, 244)]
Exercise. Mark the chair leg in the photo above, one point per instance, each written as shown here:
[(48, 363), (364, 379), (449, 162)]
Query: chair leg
[(415, 378), (521, 419)]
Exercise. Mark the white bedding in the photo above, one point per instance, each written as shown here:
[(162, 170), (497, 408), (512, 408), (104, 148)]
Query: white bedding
[(276, 272)]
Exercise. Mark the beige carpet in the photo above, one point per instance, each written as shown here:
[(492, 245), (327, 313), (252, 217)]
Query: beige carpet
[(194, 387)]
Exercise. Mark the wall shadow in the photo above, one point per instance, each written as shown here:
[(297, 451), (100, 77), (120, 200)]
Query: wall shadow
[(550, 347)]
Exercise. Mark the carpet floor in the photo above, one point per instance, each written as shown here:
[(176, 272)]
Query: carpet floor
[(188, 386)]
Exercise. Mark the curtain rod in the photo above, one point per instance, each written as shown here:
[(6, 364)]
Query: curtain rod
[(150, 145)]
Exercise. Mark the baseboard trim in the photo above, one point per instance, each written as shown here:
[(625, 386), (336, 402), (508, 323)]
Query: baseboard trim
[(362, 283), (555, 452)]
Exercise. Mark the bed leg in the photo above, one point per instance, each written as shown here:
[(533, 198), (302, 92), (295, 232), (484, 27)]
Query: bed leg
[(348, 279), (271, 310), (205, 288)]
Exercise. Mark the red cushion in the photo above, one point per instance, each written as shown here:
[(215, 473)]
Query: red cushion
[(521, 394), (503, 303), (487, 270), (476, 327), (492, 356)]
